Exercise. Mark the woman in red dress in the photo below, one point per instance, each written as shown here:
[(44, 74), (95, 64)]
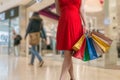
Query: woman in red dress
[(69, 31)]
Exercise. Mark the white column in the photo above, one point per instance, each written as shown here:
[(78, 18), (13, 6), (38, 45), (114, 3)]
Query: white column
[(111, 31), (22, 21)]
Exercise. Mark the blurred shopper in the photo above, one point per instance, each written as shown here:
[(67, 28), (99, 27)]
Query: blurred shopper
[(49, 43), (33, 29), (42, 35), (17, 39), (69, 31)]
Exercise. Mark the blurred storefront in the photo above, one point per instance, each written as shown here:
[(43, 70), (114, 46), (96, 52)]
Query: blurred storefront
[(9, 22), (17, 18)]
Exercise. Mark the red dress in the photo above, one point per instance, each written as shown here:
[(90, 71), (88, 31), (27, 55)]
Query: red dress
[(70, 25)]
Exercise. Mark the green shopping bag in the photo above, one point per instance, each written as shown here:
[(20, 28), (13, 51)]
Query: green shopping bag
[(86, 54)]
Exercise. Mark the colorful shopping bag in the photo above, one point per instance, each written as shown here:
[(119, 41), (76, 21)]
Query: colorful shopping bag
[(86, 53), (80, 53), (101, 36), (91, 49), (79, 43), (97, 48), (104, 46)]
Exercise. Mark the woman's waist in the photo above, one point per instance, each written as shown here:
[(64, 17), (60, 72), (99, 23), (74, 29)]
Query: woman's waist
[(70, 9), (63, 11), (70, 15), (70, 18)]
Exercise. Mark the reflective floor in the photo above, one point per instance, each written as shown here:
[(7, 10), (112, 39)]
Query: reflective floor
[(17, 68)]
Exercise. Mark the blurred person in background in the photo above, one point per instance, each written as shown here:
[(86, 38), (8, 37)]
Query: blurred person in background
[(42, 35), (35, 25), (17, 39)]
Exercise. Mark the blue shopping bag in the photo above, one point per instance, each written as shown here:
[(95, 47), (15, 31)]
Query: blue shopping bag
[(91, 48)]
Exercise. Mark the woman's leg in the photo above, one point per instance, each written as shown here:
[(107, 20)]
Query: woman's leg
[(36, 53), (71, 72), (16, 50), (32, 59), (66, 67)]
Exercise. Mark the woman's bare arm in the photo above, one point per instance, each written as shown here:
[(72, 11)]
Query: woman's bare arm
[(57, 7), (83, 14)]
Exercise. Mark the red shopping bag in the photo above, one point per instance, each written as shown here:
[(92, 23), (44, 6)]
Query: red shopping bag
[(80, 53)]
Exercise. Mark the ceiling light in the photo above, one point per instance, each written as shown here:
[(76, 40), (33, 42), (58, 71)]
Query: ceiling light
[(38, 1)]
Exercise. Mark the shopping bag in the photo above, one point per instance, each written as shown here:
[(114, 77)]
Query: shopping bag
[(79, 43), (80, 53), (86, 56), (97, 48), (101, 36), (91, 49), (104, 46)]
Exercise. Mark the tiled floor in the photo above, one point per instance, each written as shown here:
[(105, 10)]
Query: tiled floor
[(17, 68)]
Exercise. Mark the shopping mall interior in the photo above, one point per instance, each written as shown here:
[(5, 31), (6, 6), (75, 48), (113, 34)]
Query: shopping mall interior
[(101, 15)]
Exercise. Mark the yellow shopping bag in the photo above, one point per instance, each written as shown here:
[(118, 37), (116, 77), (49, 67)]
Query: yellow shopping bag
[(104, 46), (104, 38), (79, 43)]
